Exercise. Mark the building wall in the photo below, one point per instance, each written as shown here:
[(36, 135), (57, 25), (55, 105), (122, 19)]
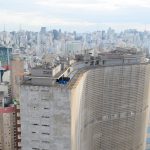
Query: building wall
[(76, 96), (7, 129), (45, 118), (56, 70), (18, 127), (113, 109), (106, 108), (17, 70), (5, 55)]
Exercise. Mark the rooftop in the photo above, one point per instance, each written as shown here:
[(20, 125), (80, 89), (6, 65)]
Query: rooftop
[(71, 73)]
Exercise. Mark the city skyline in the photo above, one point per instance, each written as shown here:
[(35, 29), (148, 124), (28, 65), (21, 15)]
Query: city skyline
[(74, 75), (96, 15)]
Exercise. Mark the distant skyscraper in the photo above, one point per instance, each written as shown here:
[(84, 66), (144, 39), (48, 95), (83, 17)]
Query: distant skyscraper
[(73, 47), (56, 34), (5, 56), (104, 105), (43, 30)]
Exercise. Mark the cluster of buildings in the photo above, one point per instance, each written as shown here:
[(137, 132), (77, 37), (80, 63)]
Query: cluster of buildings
[(11, 73), (98, 102), (70, 43), (71, 91)]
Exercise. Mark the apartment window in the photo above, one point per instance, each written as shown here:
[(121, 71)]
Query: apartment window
[(35, 124), (45, 125), (46, 133), (44, 90), (33, 132), (114, 116), (45, 117), (46, 108)]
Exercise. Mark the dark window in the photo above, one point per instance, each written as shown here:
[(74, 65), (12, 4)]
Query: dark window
[(46, 133), (45, 125), (35, 124)]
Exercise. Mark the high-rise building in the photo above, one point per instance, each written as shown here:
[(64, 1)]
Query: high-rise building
[(9, 113), (100, 104), (113, 108), (8, 133), (17, 71), (7, 128), (43, 30), (73, 47), (5, 56)]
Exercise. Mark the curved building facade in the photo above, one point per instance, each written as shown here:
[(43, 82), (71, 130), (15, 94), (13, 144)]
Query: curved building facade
[(110, 108), (103, 106)]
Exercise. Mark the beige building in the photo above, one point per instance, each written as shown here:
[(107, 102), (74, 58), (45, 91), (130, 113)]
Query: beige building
[(112, 108), (7, 128), (17, 72), (101, 105)]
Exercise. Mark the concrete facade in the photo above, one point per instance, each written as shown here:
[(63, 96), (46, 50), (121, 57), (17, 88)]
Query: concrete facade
[(113, 108), (7, 128), (17, 71), (45, 118), (101, 108)]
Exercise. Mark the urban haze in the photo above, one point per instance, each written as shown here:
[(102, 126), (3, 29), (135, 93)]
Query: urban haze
[(74, 75)]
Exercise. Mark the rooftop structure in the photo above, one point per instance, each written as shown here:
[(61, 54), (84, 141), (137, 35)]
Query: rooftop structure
[(5, 56), (97, 103), (51, 70)]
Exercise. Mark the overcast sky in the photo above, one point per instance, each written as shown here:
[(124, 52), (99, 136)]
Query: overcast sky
[(80, 15)]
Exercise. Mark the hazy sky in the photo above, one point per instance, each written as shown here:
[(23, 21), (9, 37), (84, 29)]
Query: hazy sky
[(81, 15)]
